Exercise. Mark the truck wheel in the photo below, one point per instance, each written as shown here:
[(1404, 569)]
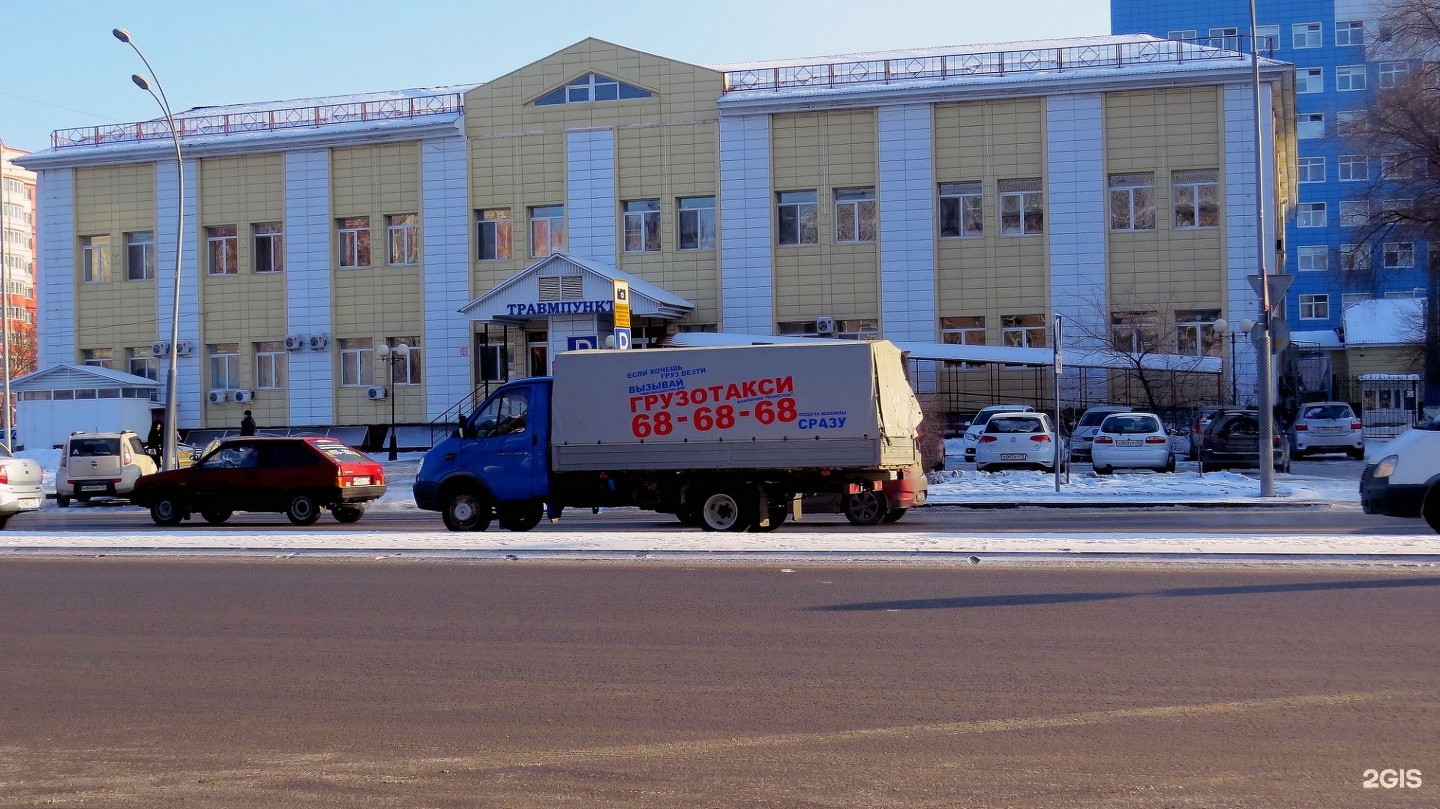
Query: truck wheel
[(167, 511), (303, 510), (778, 513), (894, 515), (687, 515), (727, 510), (865, 508), (522, 517), (1432, 509), (466, 511)]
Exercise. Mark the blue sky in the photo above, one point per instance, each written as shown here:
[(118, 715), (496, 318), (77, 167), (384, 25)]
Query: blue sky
[(66, 70)]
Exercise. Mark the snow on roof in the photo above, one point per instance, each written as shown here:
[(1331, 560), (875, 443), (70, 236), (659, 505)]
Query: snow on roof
[(1385, 321), (1324, 338), (326, 101), (943, 50)]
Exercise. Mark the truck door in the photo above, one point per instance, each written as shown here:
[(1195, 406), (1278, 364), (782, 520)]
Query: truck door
[(504, 447)]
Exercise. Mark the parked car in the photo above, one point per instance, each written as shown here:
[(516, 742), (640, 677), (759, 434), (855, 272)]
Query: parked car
[(1327, 427), (977, 425), (1197, 428), (1020, 440), (1132, 441), (1232, 439), (874, 507), (297, 476), (20, 488), (1406, 482), (1087, 426), (100, 465)]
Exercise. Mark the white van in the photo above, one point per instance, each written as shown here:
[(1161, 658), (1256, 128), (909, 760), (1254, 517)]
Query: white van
[(1406, 481)]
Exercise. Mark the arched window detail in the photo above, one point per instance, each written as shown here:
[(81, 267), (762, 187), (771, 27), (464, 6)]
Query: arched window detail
[(592, 87)]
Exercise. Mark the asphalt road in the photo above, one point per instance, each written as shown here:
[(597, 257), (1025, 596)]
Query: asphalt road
[(196, 683)]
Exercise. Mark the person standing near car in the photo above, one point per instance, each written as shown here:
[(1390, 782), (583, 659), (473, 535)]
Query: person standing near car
[(155, 441), (247, 424)]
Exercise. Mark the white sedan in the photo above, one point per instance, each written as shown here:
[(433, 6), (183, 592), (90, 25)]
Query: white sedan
[(1131, 441), (20, 488), (1016, 441)]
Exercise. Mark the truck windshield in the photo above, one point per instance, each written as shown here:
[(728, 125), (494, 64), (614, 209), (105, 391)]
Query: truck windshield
[(504, 415)]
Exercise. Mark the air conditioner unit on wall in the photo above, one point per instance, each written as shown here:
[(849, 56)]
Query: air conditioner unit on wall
[(184, 349), (244, 395), (319, 342), (218, 396), (376, 393), (294, 342), (160, 348), (825, 325)]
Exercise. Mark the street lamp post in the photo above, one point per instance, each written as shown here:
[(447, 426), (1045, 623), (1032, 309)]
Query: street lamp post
[(5, 303), (172, 406), (392, 357), (1222, 327)]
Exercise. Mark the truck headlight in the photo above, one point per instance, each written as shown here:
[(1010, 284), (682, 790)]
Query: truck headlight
[(1386, 467)]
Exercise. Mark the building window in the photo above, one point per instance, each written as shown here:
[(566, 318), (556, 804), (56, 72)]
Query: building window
[(1353, 213), (1022, 207), (222, 247), (1306, 35), (406, 368), (1349, 78), (1354, 168), (1023, 331), (1315, 307), (1312, 170), (270, 365), (1310, 215), (547, 230), (797, 216), (357, 361), (1195, 332), (98, 357), (1312, 258), (592, 87), (642, 226), (1349, 32), (966, 330), (1393, 167), (354, 241), (1134, 332), (1310, 125), (1267, 39), (492, 229), (1309, 80), (95, 251), (224, 366), (1392, 72), (1354, 257), (1182, 35), (1227, 38), (1349, 299), (269, 246), (1399, 255), (1197, 198), (854, 215), (140, 255), (403, 233), (1132, 201), (142, 362), (960, 212), (697, 223), (1352, 122)]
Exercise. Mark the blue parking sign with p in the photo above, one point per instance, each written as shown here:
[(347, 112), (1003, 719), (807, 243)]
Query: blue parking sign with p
[(583, 343), (622, 339)]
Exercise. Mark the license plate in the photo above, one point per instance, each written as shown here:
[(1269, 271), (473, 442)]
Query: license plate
[(1126, 442), (29, 502), (1330, 430), (93, 487), (360, 481), (1012, 456)]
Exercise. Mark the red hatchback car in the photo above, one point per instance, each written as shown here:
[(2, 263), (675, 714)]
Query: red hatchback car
[(295, 476)]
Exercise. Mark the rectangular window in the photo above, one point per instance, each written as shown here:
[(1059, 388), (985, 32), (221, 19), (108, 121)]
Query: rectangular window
[(697, 223), (140, 255), (1349, 32), (642, 226), (492, 234), (1022, 207), (1310, 215), (354, 241), (1132, 201), (1309, 125), (966, 330), (402, 231), (797, 215), (1348, 299), (1023, 331), (357, 361), (1182, 35), (547, 230), (1353, 213), (406, 367), (1134, 332), (1392, 72), (224, 366), (95, 251), (960, 212), (1267, 39), (1393, 167), (1354, 168), (1315, 307), (269, 246), (1227, 38), (1195, 332), (854, 215), (1354, 257), (1306, 35), (1312, 258), (142, 362), (1399, 255), (99, 357), (222, 247), (1349, 78), (1196, 195), (270, 364), (1352, 122), (1309, 80), (1312, 170)]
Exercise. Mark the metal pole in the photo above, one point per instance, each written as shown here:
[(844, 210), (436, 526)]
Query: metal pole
[(1234, 373), (5, 297), (1267, 368), (394, 449), (1060, 456)]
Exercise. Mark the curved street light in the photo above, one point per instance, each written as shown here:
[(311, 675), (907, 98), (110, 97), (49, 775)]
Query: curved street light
[(393, 356), (167, 460)]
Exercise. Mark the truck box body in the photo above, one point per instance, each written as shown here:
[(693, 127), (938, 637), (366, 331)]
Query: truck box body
[(835, 405)]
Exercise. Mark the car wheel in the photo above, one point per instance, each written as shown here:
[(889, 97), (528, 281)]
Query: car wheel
[(83, 498), (5, 520), (1356, 454), (62, 502), (216, 516), (1431, 509), (167, 511), (727, 509), (865, 508), (348, 514), (1169, 465), (466, 511), (522, 517), (1104, 470), (894, 515), (303, 510)]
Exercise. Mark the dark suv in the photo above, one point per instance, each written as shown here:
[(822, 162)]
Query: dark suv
[(1231, 438)]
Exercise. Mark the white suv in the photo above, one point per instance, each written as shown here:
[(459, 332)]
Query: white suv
[(100, 465), (1406, 482)]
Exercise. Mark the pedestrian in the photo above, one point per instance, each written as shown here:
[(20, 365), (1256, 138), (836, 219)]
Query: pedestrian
[(247, 424), (155, 441)]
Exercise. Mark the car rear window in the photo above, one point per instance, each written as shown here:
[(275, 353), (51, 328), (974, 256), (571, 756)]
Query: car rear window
[(339, 452), (94, 447), (1338, 411), (1094, 417), (1013, 425), (1129, 425)]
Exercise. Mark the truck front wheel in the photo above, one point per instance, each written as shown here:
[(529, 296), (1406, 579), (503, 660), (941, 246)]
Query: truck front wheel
[(466, 511), (1431, 509), (522, 517), (727, 509)]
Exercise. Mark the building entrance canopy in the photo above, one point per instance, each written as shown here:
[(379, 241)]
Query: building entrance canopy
[(563, 285)]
